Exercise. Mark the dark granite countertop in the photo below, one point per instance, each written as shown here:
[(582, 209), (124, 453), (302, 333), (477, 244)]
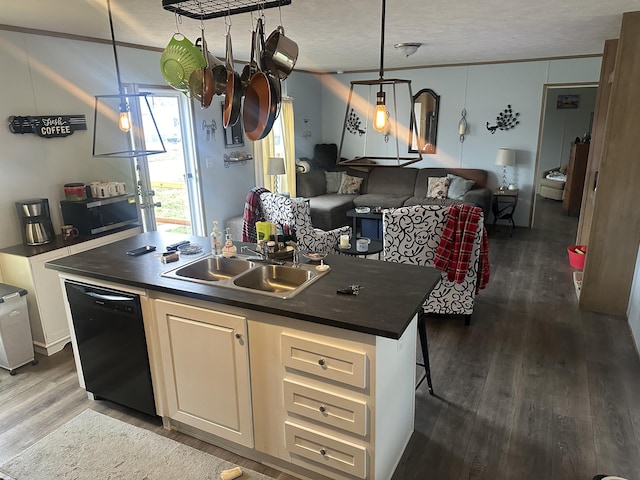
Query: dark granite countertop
[(58, 242), (391, 295)]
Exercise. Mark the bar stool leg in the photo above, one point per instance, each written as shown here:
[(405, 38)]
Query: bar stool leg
[(422, 331)]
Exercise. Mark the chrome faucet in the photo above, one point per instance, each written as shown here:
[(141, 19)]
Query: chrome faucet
[(296, 255), (262, 255)]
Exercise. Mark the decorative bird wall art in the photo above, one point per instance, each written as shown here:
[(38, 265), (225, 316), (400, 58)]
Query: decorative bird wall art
[(354, 124), (506, 120)]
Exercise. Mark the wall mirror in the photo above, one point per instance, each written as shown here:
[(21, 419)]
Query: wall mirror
[(423, 134)]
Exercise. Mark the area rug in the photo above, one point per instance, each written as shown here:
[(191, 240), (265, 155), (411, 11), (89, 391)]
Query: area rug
[(95, 446)]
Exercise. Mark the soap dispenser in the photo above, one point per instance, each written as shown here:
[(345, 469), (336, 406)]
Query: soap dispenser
[(216, 239), (229, 249)]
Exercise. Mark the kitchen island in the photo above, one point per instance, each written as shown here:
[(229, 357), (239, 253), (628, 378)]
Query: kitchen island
[(320, 384)]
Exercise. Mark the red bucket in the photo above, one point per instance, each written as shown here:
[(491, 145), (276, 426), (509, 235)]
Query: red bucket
[(577, 255)]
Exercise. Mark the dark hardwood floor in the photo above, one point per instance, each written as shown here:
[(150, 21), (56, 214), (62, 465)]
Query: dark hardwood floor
[(532, 389)]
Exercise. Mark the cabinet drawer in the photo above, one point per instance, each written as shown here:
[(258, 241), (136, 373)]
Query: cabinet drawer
[(325, 450), (327, 408), (333, 363)]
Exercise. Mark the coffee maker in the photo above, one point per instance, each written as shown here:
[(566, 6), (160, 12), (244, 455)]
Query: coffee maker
[(35, 220)]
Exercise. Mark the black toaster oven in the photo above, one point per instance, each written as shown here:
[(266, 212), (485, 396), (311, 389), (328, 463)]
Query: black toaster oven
[(99, 215)]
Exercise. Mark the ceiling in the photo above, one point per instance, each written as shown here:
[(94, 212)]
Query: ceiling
[(344, 35)]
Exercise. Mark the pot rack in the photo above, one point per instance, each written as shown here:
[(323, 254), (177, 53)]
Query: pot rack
[(207, 9)]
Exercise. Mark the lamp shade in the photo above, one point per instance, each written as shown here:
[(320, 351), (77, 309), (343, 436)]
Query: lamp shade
[(506, 157), (275, 166)]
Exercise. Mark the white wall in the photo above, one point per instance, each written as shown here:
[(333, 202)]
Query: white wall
[(484, 90), (44, 76), (41, 76)]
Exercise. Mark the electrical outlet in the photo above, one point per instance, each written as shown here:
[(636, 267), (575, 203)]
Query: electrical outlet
[(209, 162)]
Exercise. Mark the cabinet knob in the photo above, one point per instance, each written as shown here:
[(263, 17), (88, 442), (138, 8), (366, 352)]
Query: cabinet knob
[(322, 408), (321, 362), (323, 451), (238, 336)]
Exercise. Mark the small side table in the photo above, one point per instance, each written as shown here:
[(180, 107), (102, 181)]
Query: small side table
[(503, 206), (375, 247)]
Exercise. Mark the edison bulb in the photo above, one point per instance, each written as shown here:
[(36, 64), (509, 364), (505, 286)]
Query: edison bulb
[(124, 122), (380, 118)]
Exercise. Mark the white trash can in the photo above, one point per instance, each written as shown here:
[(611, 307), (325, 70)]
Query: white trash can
[(16, 344)]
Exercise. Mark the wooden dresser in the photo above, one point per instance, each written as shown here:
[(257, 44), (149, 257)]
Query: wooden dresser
[(572, 197)]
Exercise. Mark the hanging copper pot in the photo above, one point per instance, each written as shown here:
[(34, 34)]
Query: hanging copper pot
[(261, 99)]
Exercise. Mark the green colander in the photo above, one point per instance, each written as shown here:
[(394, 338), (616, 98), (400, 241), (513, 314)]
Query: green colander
[(179, 60)]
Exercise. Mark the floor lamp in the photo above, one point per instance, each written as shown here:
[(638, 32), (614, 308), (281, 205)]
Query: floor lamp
[(275, 167)]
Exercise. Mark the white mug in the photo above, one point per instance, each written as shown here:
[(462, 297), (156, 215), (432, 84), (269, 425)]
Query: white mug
[(94, 189), (103, 190), (362, 244), (121, 188), (344, 241), (113, 189)]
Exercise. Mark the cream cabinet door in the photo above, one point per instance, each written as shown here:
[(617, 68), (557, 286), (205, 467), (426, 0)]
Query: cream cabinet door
[(205, 359)]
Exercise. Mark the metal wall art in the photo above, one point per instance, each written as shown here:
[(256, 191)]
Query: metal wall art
[(52, 126), (354, 124), (210, 128), (506, 120)]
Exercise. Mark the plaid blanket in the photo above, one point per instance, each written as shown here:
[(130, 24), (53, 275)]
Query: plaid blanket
[(252, 214), (453, 256)]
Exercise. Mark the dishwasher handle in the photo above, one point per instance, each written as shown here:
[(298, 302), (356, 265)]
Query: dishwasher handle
[(109, 298)]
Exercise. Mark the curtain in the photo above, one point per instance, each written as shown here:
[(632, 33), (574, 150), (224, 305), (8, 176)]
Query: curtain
[(286, 113), (263, 149)]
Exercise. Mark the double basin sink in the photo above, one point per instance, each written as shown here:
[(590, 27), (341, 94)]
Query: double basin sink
[(245, 274)]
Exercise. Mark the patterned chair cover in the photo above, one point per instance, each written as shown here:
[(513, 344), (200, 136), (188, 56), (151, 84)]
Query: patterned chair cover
[(296, 213), (412, 235)]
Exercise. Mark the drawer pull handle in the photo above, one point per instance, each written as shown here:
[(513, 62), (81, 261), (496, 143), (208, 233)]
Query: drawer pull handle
[(323, 452), (321, 362), (322, 409)]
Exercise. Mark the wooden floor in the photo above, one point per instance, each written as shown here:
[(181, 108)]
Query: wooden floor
[(532, 389)]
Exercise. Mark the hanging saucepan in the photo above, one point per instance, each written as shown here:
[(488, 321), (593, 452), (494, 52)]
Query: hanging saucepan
[(233, 92), (261, 99), (218, 70), (282, 51), (201, 82)]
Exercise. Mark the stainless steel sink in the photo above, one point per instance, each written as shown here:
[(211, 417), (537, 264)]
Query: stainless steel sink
[(281, 281), (210, 269), (274, 278)]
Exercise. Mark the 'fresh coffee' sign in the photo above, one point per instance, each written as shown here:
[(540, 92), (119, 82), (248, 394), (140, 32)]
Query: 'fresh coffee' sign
[(52, 126)]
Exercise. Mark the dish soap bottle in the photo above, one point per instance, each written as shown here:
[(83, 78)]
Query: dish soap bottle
[(216, 239), (229, 249)]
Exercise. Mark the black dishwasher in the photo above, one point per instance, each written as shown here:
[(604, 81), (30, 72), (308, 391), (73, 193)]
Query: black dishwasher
[(112, 345)]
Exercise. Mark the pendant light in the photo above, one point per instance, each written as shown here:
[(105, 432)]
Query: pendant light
[(382, 122), (123, 123), (380, 118)]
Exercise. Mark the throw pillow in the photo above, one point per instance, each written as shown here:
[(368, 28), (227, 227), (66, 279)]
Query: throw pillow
[(458, 186), (350, 185), (437, 187), (334, 179)]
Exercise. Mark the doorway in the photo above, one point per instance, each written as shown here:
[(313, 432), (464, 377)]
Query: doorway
[(567, 114), (168, 183)]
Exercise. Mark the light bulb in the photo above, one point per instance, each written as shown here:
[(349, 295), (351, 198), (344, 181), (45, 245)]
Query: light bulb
[(380, 115), (124, 122)]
